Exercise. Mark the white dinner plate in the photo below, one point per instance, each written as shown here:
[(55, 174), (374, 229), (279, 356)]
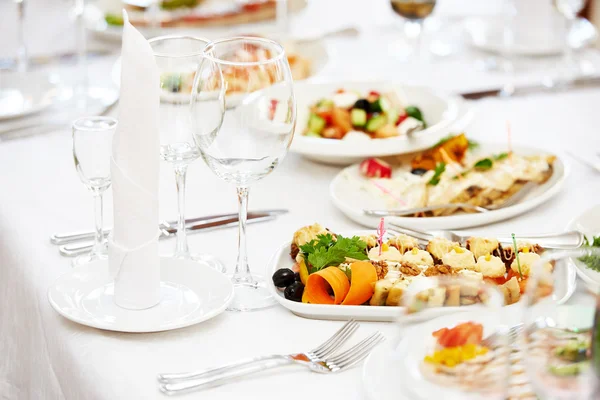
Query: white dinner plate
[(191, 293), (346, 195), (439, 110), (487, 34), (281, 259), (26, 94), (391, 371), (587, 223), (95, 22)]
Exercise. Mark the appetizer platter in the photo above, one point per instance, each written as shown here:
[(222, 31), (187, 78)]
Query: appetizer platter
[(588, 268), (447, 358), (345, 122), (207, 18), (325, 275), (454, 170)]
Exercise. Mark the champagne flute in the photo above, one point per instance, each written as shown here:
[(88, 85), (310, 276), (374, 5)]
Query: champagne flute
[(415, 12), (569, 9), (177, 58), (244, 112), (562, 341), (92, 149)]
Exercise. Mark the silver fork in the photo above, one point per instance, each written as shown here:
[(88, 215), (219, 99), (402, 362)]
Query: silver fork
[(515, 198), (563, 240), (317, 354), (511, 335), (341, 362)]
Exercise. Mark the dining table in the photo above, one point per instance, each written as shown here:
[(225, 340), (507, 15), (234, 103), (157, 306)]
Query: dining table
[(45, 356)]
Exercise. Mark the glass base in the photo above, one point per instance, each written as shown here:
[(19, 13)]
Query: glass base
[(88, 258), (251, 295), (205, 259)]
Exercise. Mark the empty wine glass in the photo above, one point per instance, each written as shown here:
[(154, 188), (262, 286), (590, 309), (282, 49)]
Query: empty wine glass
[(244, 112), (92, 149), (561, 341), (177, 58), (569, 9)]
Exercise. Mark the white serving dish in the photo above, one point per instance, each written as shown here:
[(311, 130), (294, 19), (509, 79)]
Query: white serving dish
[(587, 223), (282, 259), (439, 110), (351, 202)]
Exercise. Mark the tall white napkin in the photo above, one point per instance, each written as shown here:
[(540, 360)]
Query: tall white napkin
[(133, 249)]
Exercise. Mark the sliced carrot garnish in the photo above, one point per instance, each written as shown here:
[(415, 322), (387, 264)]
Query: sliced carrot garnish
[(363, 276), (318, 284)]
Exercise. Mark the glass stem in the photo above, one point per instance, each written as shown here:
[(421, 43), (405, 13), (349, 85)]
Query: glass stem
[(99, 217), (242, 270), (181, 247), (414, 33), (570, 67), (22, 58)]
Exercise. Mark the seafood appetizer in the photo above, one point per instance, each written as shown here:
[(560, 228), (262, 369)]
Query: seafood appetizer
[(452, 171), (370, 270)]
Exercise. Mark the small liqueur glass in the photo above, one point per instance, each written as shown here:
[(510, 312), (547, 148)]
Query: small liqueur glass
[(92, 149)]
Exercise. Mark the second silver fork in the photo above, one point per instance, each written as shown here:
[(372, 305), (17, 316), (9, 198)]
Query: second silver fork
[(317, 354)]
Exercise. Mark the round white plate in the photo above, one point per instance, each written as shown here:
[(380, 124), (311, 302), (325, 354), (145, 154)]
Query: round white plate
[(391, 371), (487, 34), (440, 111), (345, 194), (191, 293), (587, 223), (281, 259), (95, 22), (26, 94)]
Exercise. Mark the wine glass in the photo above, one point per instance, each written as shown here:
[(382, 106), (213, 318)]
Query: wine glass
[(561, 340), (468, 356), (92, 149), (244, 112), (177, 58), (569, 9), (415, 12)]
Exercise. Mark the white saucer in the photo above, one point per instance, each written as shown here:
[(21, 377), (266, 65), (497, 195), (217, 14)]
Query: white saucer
[(191, 293)]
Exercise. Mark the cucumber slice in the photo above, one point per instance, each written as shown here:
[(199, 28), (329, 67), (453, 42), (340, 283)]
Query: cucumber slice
[(358, 117), (325, 103), (376, 122), (312, 134), (380, 105), (316, 124)]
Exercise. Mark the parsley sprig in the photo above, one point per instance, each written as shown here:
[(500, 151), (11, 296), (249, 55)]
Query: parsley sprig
[(440, 168), (592, 262), (325, 251)]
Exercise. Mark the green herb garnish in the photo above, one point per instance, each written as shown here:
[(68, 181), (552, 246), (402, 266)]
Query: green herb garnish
[(472, 144), (175, 4), (592, 262), (500, 156), (483, 164), (517, 254), (439, 170), (326, 251), (113, 19)]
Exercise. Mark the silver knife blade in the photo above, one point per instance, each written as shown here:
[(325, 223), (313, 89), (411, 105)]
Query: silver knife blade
[(64, 238), (72, 250), (578, 83)]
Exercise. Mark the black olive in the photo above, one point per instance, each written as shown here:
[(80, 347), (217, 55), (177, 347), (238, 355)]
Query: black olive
[(362, 104), (297, 277), (294, 291), (283, 277), (418, 171)]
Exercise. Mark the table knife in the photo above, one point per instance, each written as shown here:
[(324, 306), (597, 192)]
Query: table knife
[(578, 83), (64, 238), (75, 249)]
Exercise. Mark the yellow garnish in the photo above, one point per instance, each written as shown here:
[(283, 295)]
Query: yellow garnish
[(525, 250), (415, 251), (459, 250), (488, 257), (453, 356), (385, 247)]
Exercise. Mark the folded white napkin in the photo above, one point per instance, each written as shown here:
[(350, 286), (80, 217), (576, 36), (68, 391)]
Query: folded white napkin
[(133, 249)]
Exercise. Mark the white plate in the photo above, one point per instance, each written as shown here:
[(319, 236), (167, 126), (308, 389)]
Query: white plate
[(191, 293), (487, 34), (350, 201), (26, 94), (95, 13), (587, 223), (386, 375), (281, 259), (440, 112)]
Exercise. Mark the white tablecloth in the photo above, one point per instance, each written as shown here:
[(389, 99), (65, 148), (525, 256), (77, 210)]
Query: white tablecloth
[(44, 356)]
